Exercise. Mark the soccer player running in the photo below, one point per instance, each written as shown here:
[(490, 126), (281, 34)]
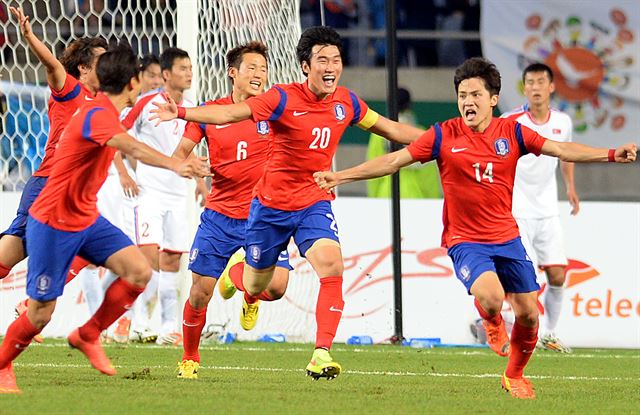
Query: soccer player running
[(238, 153), (64, 221), (72, 81), (477, 156), (161, 217), (535, 195), (308, 120)]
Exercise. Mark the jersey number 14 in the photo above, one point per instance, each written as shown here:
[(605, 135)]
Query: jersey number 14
[(488, 172)]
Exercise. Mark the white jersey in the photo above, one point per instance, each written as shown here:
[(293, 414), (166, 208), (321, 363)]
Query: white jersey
[(535, 191), (163, 138)]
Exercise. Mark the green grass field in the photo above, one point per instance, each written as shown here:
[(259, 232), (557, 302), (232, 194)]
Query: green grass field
[(259, 378)]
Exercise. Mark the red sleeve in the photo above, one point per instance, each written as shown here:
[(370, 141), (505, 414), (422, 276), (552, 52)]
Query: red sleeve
[(532, 140), (423, 148), (268, 106), (100, 126), (70, 89), (194, 131)]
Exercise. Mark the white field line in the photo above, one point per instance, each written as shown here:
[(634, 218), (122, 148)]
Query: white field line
[(347, 372), (309, 349)]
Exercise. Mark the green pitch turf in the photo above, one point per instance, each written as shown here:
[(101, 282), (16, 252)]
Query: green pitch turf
[(258, 378)]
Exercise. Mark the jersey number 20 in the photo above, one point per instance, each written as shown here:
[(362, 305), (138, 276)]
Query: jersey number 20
[(321, 137)]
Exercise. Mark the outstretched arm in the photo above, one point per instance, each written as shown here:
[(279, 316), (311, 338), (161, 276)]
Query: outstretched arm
[(187, 168), (207, 114), (567, 169), (56, 75), (378, 167), (395, 131), (585, 154)]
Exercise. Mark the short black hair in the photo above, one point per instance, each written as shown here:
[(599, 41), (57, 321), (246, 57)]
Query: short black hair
[(234, 56), (148, 60), (317, 35), (479, 68), (81, 52), (538, 67), (169, 56), (116, 67)]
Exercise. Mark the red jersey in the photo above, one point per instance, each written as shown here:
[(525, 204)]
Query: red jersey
[(477, 171), (238, 153), (62, 105), (306, 133), (68, 200)]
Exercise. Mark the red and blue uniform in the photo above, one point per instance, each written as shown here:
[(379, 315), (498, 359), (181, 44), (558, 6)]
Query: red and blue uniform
[(64, 220), (238, 154), (62, 105), (288, 202), (477, 171)]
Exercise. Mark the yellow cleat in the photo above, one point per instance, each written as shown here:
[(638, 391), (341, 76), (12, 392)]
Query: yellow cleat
[(188, 369), (323, 366), (249, 316), (225, 285)]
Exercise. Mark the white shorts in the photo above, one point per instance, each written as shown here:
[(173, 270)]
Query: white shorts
[(162, 220), (543, 240), (114, 206)]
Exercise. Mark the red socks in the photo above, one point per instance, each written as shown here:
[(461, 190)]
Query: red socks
[(4, 270), (18, 337), (192, 325), (523, 343), (76, 266), (235, 275), (117, 300), (328, 310), (495, 320)]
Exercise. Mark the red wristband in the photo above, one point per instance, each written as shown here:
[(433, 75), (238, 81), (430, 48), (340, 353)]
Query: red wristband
[(612, 155), (182, 111)]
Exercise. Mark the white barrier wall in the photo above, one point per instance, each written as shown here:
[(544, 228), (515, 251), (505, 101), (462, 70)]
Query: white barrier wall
[(602, 300)]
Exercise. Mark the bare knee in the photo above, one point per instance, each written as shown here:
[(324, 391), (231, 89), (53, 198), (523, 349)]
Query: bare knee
[(527, 317), (256, 281), (556, 276), (201, 293), (39, 313), (138, 274)]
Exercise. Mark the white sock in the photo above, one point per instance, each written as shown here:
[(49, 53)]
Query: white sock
[(168, 291), (90, 283), (140, 311), (552, 307)]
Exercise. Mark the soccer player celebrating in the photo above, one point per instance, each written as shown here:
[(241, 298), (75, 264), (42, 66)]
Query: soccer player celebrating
[(64, 221), (477, 156), (535, 195), (72, 81), (162, 209), (308, 120), (238, 155)]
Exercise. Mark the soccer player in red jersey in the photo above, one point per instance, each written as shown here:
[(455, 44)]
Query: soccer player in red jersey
[(72, 81), (308, 120), (238, 153), (64, 221), (477, 156)]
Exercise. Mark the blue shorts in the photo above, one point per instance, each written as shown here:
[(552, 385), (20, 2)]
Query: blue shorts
[(217, 238), (269, 230), (509, 260), (53, 250), (29, 194)]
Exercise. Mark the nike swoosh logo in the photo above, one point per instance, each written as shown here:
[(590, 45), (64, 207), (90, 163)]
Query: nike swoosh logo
[(297, 114), (457, 150), (332, 308), (282, 258), (184, 322), (87, 98), (219, 127)]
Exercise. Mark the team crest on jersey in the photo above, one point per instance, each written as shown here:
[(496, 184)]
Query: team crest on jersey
[(465, 272), (262, 127), (255, 252), (43, 282), (502, 146), (340, 112)]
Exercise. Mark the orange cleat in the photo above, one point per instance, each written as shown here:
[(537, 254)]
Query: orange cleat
[(520, 388), (8, 380), (497, 337), (93, 351), (20, 309)]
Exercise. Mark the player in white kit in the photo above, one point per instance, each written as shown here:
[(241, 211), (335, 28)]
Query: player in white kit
[(535, 195), (161, 216)]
